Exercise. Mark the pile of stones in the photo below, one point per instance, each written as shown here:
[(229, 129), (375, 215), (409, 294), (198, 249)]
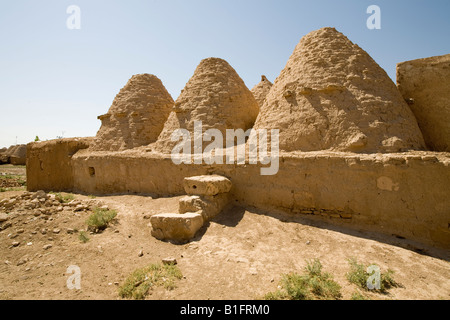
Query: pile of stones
[(40, 204)]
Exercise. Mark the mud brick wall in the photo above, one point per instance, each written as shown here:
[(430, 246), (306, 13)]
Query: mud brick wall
[(49, 165), (425, 85), (403, 194)]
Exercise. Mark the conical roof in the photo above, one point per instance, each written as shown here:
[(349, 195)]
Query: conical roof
[(136, 116), (261, 90), (19, 155), (333, 96), (216, 96), (11, 150), (19, 151)]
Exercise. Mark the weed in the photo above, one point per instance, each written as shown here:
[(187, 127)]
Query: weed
[(313, 284), (359, 276), (100, 219), (142, 280), (64, 198), (83, 237), (359, 296)]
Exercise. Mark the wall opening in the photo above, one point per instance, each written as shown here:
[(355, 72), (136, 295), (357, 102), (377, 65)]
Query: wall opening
[(92, 171)]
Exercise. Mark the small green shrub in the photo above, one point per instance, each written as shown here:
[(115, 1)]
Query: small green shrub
[(276, 295), (83, 237), (313, 284), (139, 282), (100, 219), (64, 198), (359, 276), (359, 296), (296, 287)]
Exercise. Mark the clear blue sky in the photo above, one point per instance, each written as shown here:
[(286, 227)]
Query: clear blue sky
[(55, 81)]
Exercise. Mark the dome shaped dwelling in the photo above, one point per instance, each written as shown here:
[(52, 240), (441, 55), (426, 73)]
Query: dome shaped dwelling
[(216, 96), (136, 116), (333, 96), (19, 155), (261, 90)]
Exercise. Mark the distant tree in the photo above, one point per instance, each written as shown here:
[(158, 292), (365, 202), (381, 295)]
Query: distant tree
[(37, 139)]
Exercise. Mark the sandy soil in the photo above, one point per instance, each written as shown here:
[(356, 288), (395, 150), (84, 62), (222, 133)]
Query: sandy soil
[(241, 254)]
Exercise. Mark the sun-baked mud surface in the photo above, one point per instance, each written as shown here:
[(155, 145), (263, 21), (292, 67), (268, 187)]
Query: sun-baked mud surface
[(240, 255)]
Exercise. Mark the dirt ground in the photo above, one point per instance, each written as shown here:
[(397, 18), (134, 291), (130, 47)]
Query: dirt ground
[(241, 254)]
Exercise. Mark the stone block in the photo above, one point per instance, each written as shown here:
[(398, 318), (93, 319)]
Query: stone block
[(176, 227), (208, 185), (190, 204), (209, 206)]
